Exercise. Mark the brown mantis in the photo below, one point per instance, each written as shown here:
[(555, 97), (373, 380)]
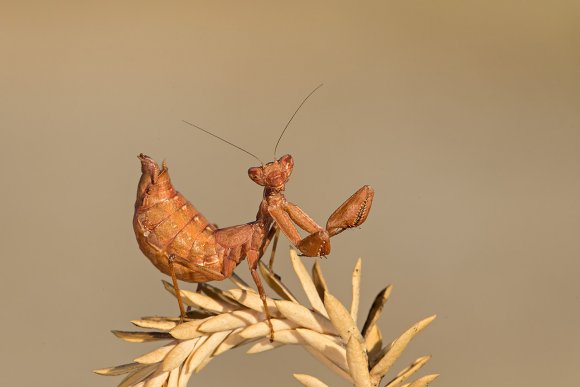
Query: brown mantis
[(181, 242)]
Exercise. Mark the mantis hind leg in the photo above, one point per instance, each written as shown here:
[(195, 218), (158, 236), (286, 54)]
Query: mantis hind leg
[(253, 258), (175, 259), (171, 260)]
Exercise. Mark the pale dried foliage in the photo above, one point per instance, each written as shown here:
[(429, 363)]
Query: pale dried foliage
[(222, 320)]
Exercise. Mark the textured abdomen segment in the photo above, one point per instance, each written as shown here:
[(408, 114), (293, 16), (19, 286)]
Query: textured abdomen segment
[(195, 241), (165, 232), (176, 230), (151, 217), (166, 223), (184, 240)]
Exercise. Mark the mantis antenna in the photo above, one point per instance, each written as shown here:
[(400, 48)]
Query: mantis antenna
[(224, 140), (291, 118)]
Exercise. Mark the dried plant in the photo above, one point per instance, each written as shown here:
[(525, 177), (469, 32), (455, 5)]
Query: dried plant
[(221, 320)]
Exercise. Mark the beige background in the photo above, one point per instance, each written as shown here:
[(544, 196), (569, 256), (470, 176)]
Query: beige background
[(463, 115)]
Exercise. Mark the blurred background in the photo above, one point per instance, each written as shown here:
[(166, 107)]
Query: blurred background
[(464, 116)]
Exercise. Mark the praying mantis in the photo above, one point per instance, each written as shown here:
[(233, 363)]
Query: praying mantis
[(182, 243)]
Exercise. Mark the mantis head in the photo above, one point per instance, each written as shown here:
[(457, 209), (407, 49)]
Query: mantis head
[(274, 174)]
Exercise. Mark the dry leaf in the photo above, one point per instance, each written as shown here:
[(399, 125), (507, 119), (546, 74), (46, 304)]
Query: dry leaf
[(188, 330), (215, 292), (252, 300), (289, 336), (394, 350), (163, 325), (318, 280), (119, 370), (423, 381), (230, 321), (358, 364), (178, 354), (239, 282), (326, 345), (156, 355), (202, 301), (173, 379), (261, 329), (141, 337), (137, 376), (305, 317), (356, 274), (263, 346), (206, 349), (307, 283), (309, 381), (232, 341), (374, 343), (408, 372), (276, 284), (329, 364), (156, 380), (377, 308), (341, 318)]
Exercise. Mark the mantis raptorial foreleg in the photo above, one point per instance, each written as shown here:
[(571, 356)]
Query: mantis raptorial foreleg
[(351, 213)]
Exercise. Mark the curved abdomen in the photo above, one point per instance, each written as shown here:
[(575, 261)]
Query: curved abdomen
[(166, 223)]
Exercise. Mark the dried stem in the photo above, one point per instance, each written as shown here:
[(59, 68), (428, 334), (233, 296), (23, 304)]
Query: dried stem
[(223, 320)]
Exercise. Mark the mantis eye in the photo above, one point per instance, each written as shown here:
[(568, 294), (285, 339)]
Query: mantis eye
[(287, 162), (257, 175)]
